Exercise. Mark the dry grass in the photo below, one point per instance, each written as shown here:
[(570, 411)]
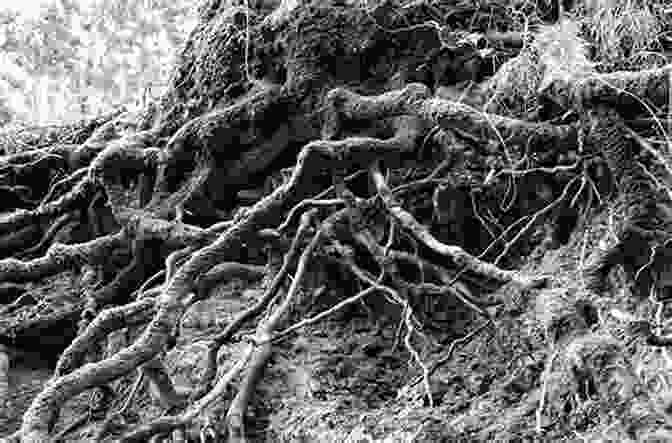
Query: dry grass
[(623, 34), (563, 52), (555, 52)]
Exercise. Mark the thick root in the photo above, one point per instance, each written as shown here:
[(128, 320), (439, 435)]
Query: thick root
[(60, 258), (587, 366)]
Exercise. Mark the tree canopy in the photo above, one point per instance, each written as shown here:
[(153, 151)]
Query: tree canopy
[(74, 59)]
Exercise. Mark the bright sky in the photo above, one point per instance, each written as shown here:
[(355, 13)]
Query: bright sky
[(29, 7)]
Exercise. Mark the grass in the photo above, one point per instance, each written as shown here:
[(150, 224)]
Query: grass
[(623, 34)]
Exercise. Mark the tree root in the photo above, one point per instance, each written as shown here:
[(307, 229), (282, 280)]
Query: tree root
[(17, 240), (59, 258), (5, 361), (257, 308), (48, 236), (409, 319), (167, 424), (461, 258), (235, 417), (314, 159), (161, 387), (322, 315), (104, 427), (107, 321), (414, 100), (535, 219), (64, 183), (75, 199), (226, 271), (644, 233), (35, 171), (149, 186), (620, 90), (449, 354), (145, 258), (588, 366)]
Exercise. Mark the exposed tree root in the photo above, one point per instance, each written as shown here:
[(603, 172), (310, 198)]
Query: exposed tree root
[(161, 387), (224, 272), (17, 240), (414, 100), (4, 378), (619, 90), (316, 157), (646, 229), (590, 367), (59, 258), (104, 427), (76, 199), (235, 416), (456, 254), (146, 257), (322, 315), (107, 321), (48, 236), (449, 354), (163, 187), (253, 310), (206, 394), (167, 424), (64, 183)]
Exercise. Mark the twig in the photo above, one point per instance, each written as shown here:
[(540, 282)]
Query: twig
[(534, 219), (456, 253), (449, 354), (75, 176), (430, 179), (553, 170), (410, 328), (309, 321), (544, 390), (48, 236), (137, 384), (304, 204), (79, 421)]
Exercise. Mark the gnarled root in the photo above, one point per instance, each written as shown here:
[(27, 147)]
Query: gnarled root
[(107, 321), (587, 368), (315, 158), (235, 417), (60, 258)]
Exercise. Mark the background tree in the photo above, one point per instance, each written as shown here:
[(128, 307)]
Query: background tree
[(77, 58)]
